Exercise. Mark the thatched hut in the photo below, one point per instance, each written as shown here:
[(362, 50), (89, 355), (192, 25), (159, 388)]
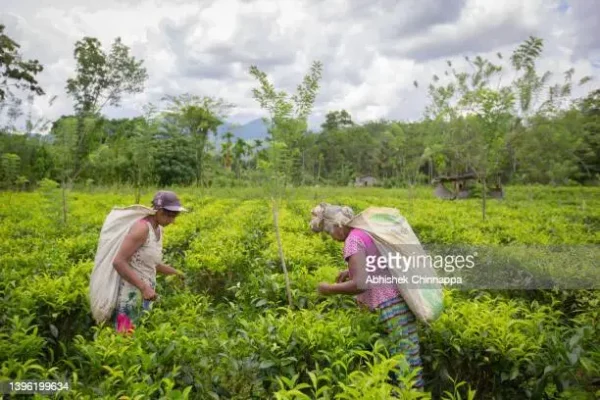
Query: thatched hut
[(460, 186), (441, 192), (365, 181)]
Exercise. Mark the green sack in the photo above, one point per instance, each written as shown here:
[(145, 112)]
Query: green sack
[(393, 235)]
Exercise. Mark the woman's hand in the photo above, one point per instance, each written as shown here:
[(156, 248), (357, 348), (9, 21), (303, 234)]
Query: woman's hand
[(323, 288), (353, 286), (148, 293), (166, 269), (343, 276)]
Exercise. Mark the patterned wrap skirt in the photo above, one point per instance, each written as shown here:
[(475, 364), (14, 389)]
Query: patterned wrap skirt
[(130, 307), (400, 324)]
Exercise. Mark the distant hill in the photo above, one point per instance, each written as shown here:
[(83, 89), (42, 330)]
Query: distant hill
[(255, 129)]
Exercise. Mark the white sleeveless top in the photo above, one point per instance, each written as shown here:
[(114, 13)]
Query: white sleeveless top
[(149, 255)]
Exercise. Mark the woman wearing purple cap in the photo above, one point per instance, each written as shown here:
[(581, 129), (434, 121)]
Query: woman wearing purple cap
[(140, 258)]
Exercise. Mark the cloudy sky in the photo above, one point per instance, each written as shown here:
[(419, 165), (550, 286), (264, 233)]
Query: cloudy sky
[(372, 50)]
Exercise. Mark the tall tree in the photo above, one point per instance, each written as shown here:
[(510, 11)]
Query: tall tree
[(142, 150), (14, 71), (9, 169), (226, 150), (240, 149), (101, 78), (196, 117), (288, 122), (590, 153), (288, 119), (336, 120)]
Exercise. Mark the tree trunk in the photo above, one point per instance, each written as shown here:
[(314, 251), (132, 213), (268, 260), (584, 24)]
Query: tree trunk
[(484, 183), (430, 169), (483, 194), (319, 171), (483, 199), (513, 164), (302, 172), (64, 201), (280, 247), (137, 186), (200, 144), (198, 168)]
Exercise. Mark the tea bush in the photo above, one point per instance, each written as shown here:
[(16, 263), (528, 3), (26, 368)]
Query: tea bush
[(228, 333)]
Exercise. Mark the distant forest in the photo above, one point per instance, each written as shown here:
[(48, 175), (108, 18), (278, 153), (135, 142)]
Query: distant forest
[(523, 131)]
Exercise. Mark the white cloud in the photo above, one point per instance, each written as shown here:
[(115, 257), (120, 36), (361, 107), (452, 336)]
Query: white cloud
[(371, 51)]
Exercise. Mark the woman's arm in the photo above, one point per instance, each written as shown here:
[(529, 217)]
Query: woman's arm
[(133, 241), (167, 270), (357, 285)]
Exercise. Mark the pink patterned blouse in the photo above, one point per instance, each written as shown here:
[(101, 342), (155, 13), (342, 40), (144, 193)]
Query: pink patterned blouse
[(358, 240)]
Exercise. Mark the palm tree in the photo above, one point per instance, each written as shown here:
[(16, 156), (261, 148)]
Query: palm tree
[(239, 151), (256, 150), (226, 150)]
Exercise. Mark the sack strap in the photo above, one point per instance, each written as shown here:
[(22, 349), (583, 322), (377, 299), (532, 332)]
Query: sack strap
[(154, 238)]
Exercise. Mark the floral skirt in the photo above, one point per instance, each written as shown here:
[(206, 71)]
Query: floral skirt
[(130, 307), (400, 324)]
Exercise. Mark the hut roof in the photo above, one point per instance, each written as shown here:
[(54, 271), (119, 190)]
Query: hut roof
[(454, 178)]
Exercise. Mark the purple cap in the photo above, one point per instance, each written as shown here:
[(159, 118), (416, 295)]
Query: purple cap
[(167, 200)]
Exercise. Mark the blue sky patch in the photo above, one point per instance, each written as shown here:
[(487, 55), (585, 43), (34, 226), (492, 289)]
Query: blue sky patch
[(563, 6)]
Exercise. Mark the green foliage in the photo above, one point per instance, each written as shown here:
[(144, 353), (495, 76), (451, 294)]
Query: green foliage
[(481, 125), (102, 78), (232, 332), (336, 120), (229, 332), (502, 344), (14, 70), (195, 117), (476, 121), (9, 169), (287, 122), (525, 55)]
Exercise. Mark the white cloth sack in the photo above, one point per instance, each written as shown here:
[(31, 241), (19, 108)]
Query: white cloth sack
[(393, 234), (104, 280)]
